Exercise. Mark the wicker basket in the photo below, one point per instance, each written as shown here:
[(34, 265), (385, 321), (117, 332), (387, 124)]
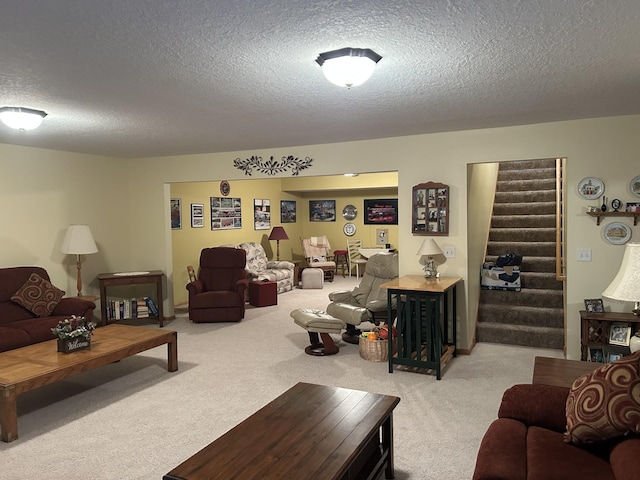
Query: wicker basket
[(374, 350)]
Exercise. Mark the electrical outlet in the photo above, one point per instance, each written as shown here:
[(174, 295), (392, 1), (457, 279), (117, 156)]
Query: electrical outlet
[(584, 255), (450, 252)]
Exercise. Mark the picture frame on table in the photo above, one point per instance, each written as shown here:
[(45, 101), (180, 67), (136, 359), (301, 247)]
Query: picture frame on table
[(619, 334), (596, 354), (197, 215), (594, 305), (612, 357), (176, 213)]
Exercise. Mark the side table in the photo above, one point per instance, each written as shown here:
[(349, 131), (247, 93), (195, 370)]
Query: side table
[(130, 278)]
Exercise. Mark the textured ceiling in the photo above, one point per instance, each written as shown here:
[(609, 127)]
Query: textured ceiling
[(137, 78)]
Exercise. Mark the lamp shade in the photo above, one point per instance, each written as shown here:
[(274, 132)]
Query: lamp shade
[(21, 118), (625, 286), (430, 248), (278, 233), (78, 241), (348, 67)]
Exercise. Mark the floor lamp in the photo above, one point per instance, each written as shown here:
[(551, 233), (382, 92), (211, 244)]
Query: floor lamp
[(278, 234), (78, 241)]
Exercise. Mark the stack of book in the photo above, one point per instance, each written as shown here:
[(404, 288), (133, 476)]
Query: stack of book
[(120, 309)]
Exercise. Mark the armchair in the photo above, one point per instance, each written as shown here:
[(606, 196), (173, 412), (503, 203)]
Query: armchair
[(317, 252), (366, 302), (218, 294), (259, 268)]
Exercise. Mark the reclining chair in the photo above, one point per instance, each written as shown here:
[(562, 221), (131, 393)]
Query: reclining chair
[(317, 252), (367, 302), (218, 294)]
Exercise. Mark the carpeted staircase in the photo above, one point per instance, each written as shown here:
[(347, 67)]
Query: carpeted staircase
[(524, 222)]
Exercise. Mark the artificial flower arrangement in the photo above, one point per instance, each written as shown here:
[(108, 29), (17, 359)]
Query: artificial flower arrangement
[(73, 327)]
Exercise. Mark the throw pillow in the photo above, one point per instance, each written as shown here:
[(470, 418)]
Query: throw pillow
[(605, 404), (38, 296)]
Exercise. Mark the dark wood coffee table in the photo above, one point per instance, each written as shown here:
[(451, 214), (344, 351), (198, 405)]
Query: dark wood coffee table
[(27, 368), (308, 432), (560, 372)]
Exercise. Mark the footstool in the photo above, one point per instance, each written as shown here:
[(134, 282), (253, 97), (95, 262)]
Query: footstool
[(263, 294), (314, 322), (312, 278)]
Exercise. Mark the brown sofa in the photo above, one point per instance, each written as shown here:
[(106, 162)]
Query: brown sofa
[(527, 442), (19, 326)]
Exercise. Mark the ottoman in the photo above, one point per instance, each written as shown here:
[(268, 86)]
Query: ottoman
[(318, 322), (263, 294), (312, 278)]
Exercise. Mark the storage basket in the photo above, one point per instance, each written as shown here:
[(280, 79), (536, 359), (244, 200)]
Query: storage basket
[(374, 350)]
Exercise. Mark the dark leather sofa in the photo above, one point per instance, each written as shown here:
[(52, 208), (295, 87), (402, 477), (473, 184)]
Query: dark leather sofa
[(20, 327), (526, 442)]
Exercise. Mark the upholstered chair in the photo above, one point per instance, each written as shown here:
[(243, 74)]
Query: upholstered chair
[(367, 302), (218, 294), (259, 268)]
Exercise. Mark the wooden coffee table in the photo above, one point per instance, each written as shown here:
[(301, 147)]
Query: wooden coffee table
[(308, 432), (30, 367)]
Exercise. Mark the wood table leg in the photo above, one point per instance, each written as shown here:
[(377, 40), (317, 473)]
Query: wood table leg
[(8, 414), (172, 352), (387, 444)]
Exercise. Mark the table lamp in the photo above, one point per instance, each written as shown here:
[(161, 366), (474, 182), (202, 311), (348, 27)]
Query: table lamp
[(427, 251), (78, 241), (278, 234), (625, 287)]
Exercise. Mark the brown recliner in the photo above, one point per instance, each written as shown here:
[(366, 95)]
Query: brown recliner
[(218, 295)]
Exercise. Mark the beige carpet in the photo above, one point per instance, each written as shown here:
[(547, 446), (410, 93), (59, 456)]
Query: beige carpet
[(134, 420)]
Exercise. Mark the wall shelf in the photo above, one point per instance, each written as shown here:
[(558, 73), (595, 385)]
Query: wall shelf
[(599, 215)]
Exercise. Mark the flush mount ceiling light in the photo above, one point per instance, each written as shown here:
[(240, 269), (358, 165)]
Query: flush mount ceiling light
[(348, 67), (21, 118)]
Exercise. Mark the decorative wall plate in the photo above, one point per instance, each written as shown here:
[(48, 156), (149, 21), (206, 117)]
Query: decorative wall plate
[(634, 186), (617, 233), (590, 188), (349, 212), (225, 188), (349, 229)]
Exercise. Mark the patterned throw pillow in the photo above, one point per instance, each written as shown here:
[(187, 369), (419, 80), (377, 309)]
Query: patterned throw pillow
[(38, 296), (605, 404)]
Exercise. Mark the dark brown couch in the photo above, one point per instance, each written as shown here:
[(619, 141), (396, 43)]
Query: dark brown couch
[(527, 442), (18, 326)]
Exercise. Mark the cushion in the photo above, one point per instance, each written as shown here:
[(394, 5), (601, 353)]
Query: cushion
[(605, 404), (38, 296)]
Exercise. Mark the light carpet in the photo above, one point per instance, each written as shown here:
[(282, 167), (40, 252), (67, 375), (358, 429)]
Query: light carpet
[(134, 420)]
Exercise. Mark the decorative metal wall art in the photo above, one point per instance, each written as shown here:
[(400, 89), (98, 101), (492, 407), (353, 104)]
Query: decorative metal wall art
[(271, 166)]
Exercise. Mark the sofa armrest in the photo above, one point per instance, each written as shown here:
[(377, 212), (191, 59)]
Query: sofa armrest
[(535, 404), (241, 286), (195, 288), (281, 265), (73, 306), (624, 459), (503, 452)]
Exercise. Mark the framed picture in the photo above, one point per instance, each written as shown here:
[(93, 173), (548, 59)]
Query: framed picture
[(287, 211), (384, 211), (197, 215), (596, 355), (633, 207), (261, 214), (176, 214), (619, 334), (226, 213), (593, 305), (322, 210), (612, 357)]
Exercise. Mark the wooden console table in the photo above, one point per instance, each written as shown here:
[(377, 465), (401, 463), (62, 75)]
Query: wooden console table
[(560, 372), (310, 432), (594, 330), (130, 278), (424, 321)]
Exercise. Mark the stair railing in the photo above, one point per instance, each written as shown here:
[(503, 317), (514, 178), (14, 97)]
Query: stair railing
[(560, 236)]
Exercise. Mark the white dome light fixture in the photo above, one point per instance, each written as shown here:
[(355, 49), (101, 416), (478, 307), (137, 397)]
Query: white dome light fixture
[(21, 118), (348, 67)]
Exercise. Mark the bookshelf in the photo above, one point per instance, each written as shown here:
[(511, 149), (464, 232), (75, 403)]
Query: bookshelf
[(107, 280)]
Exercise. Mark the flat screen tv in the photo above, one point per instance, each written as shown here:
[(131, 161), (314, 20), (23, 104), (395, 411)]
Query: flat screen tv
[(381, 211)]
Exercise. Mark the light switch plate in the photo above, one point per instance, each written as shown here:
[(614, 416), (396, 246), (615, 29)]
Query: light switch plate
[(449, 252), (584, 255)]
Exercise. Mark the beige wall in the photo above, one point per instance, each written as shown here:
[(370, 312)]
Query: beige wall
[(60, 188)]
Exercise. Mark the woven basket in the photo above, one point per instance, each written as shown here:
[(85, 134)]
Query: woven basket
[(374, 350)]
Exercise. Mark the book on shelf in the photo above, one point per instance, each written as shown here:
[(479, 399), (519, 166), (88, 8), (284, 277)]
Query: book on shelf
[(153, 308), (120, 309)]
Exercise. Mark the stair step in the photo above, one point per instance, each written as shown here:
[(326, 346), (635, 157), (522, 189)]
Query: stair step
[(523, 221), (526, 297), (526, 249), (522, 235), (527, 174), (526, 197), (535, 264), (540, 337), (542, 280), (531, 316), (528, 164), (525, 185), (515, 208)]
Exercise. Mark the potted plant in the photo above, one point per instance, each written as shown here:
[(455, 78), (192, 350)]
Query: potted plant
[(73, 334)]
